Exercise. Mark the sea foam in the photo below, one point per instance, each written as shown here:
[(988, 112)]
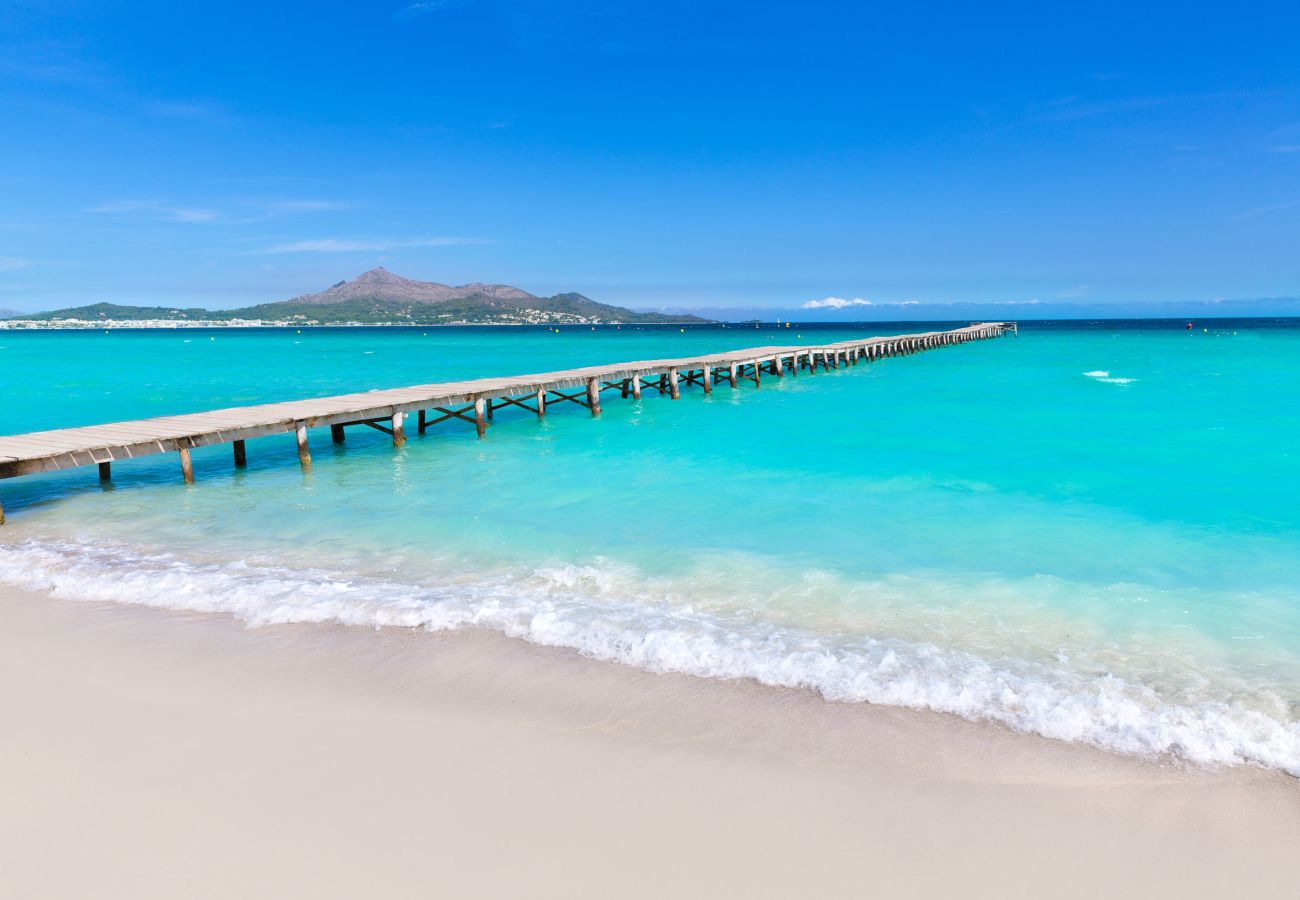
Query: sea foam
[(1105, 376), (607, 613)]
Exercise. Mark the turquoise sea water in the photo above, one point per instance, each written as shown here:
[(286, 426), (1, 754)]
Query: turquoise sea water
[(1091, 531)]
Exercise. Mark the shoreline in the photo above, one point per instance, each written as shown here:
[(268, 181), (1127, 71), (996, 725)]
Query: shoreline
[(151, 752)]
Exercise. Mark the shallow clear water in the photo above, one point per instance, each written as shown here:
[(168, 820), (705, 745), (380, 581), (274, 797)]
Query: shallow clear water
[(1091, 531)]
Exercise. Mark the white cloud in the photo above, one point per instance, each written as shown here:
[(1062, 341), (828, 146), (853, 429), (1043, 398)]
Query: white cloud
[(423, 7), (836, 303), (120, 206), (290, 207), (349, 245), (157, 209), (1264, 210), (191, 215)]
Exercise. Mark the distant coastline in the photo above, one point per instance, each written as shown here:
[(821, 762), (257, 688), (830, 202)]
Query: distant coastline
[(374, 298), (176, 324)]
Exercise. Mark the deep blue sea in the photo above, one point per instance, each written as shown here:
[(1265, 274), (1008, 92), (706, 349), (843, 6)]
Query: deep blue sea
[(1090, 531)]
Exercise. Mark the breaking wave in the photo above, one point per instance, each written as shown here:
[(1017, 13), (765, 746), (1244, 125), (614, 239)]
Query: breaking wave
[(614, 613)]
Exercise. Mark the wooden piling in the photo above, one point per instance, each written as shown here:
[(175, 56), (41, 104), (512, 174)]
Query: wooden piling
[(304, 451), (399, 429), (336, 434), (708, 379), (423, 422), (106, 471), (541, 404), (733, 373), (636, 387), (480, 416), (187, 467), (241, 454), (593, 396), (673, 389)]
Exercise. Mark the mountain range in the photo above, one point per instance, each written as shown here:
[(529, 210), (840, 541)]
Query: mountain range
[(379, 297)]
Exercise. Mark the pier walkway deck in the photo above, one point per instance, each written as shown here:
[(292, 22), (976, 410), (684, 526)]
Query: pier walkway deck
[(473, 402)]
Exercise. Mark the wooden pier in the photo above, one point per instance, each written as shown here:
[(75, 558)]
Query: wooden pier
[(472, 402)]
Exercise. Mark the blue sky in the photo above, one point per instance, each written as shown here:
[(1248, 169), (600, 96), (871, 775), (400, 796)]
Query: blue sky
[(658, 155)]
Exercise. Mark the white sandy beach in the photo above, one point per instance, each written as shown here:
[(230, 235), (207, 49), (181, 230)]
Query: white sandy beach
[(155, 754)]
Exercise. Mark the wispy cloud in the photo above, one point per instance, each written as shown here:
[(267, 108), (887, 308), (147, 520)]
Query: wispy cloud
[(188, 110), (294, 207), (356, 245), (155, 209), (55, 62), (1285, 148), (248, 211), (1067, 109), (424, 7), (192, 215), (1264, 210), (14, 263), (836, 303)]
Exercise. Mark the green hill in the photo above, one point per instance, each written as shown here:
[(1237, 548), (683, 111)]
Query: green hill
[(378, 297)]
